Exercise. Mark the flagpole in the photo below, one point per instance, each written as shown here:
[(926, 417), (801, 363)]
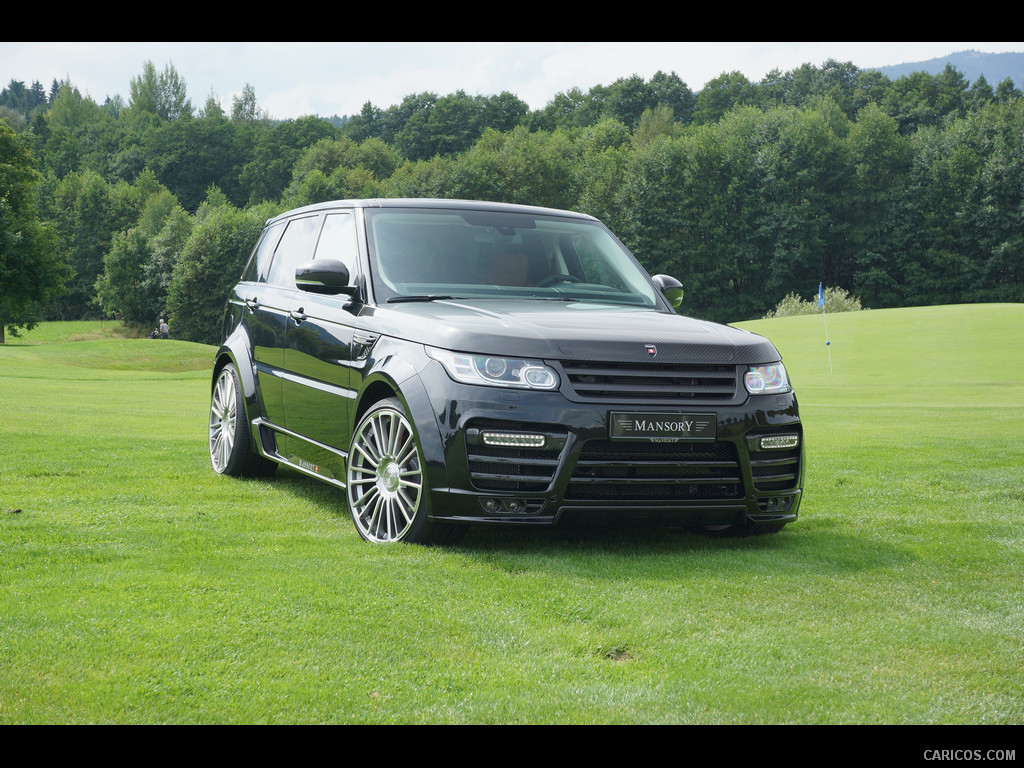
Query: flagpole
[(828, 344)]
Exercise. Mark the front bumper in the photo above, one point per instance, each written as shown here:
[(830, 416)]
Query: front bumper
[(579, 472)]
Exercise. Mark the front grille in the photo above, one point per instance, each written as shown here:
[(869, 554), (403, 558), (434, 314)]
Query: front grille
[(661, 383), (505, 468), (638, 471)]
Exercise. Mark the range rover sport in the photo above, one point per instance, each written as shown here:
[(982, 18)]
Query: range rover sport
[(451, 362)]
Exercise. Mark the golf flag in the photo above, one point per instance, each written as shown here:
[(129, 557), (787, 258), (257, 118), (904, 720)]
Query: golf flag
[(828, 344)]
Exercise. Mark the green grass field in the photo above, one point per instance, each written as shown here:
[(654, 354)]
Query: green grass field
[(136, 586)]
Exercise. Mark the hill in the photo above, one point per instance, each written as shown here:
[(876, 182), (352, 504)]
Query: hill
[(971, 64)]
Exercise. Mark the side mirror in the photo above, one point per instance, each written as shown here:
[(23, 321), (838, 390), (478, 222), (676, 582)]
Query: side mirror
[(324, 276), (671, 287)]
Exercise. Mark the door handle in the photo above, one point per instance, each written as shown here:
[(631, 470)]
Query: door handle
[(252, 304), (297, 315)]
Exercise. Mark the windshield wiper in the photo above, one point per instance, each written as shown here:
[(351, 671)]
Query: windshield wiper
[(420, 297)]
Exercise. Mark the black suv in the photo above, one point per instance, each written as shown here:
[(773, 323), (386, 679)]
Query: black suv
[(452, 362)]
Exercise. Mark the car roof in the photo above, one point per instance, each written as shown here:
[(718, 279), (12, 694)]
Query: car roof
[(455, 205)]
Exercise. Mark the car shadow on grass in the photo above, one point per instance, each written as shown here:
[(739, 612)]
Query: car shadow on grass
[(812, 543)]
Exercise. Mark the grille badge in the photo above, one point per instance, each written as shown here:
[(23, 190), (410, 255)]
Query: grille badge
[(651, 350)]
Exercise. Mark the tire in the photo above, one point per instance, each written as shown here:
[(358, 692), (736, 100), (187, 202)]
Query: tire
[(387, 489), (232, 451)]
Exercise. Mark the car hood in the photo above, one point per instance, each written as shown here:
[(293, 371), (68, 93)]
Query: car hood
[(571, 331)]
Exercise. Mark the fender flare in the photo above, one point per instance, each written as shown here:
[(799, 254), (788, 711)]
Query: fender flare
[(235, 350)]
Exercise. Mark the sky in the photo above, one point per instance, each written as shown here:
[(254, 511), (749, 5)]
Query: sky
[(295, 79)]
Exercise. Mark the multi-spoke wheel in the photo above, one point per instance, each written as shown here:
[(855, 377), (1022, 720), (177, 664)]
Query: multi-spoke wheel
[(230, 439), (386, 483)]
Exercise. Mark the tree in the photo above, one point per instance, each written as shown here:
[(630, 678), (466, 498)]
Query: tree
[(84, 216), (163, 94), (569, 109), (725, 92), (30, 271), (654, 122), (369, 122), (1006, 91), (454, 122), (981, 93), (210, 263), (519, 167), (138, 266), (245, 109), (14, 119), (22, 100), (332, 169), (880, 159), (190, 155), (275, 154), (71, 140)]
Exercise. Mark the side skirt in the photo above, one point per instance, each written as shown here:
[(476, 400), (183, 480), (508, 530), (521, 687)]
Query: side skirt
[(269, 443)]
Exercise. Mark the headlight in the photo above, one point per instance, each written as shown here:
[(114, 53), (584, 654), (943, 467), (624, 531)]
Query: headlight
[(495, 371), (766, 379)]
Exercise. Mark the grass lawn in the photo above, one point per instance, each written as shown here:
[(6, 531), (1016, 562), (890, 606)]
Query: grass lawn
[(137, 586)]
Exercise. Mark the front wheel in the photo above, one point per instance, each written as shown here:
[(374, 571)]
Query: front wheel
[(231, 448), (386, 485)]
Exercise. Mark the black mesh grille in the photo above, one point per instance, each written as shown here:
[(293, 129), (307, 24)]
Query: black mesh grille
[(775, 470), (639, 471), (651, 383), (507, 468)]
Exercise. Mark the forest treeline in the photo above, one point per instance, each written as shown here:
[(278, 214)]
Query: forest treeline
[(901, 192)]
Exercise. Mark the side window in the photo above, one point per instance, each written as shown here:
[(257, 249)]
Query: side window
[(338, 240), (259, 262), (295, 248)]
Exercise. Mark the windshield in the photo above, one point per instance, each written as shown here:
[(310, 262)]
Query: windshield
[(422, 253)]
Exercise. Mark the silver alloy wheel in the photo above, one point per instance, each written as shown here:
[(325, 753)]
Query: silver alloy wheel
[(385, 476), (223, 420)]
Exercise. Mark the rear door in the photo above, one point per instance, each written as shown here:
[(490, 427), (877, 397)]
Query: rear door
[(270, 307), (319, 388)]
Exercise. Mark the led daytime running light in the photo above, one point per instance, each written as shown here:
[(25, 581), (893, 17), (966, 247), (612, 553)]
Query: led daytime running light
[(513, 439)]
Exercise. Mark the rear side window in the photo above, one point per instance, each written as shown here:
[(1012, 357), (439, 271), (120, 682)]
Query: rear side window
[(295, 248)]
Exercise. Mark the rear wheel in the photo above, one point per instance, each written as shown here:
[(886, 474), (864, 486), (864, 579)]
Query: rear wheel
[(386, 484), (231, 448)]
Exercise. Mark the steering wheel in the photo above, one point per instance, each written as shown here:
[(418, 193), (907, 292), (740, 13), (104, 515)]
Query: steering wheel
[(558, 278)]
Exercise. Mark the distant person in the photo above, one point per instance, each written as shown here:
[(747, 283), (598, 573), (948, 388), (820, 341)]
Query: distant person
[(165, 332)]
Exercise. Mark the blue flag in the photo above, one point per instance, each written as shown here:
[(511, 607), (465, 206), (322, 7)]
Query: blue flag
[(821, 296)]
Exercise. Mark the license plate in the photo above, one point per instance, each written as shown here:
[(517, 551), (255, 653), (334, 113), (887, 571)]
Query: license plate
[(662, 426)]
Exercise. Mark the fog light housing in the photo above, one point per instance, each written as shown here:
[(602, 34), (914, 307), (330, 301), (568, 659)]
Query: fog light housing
[(778, 442), (775, 505), (502, 506), (491, 506)]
